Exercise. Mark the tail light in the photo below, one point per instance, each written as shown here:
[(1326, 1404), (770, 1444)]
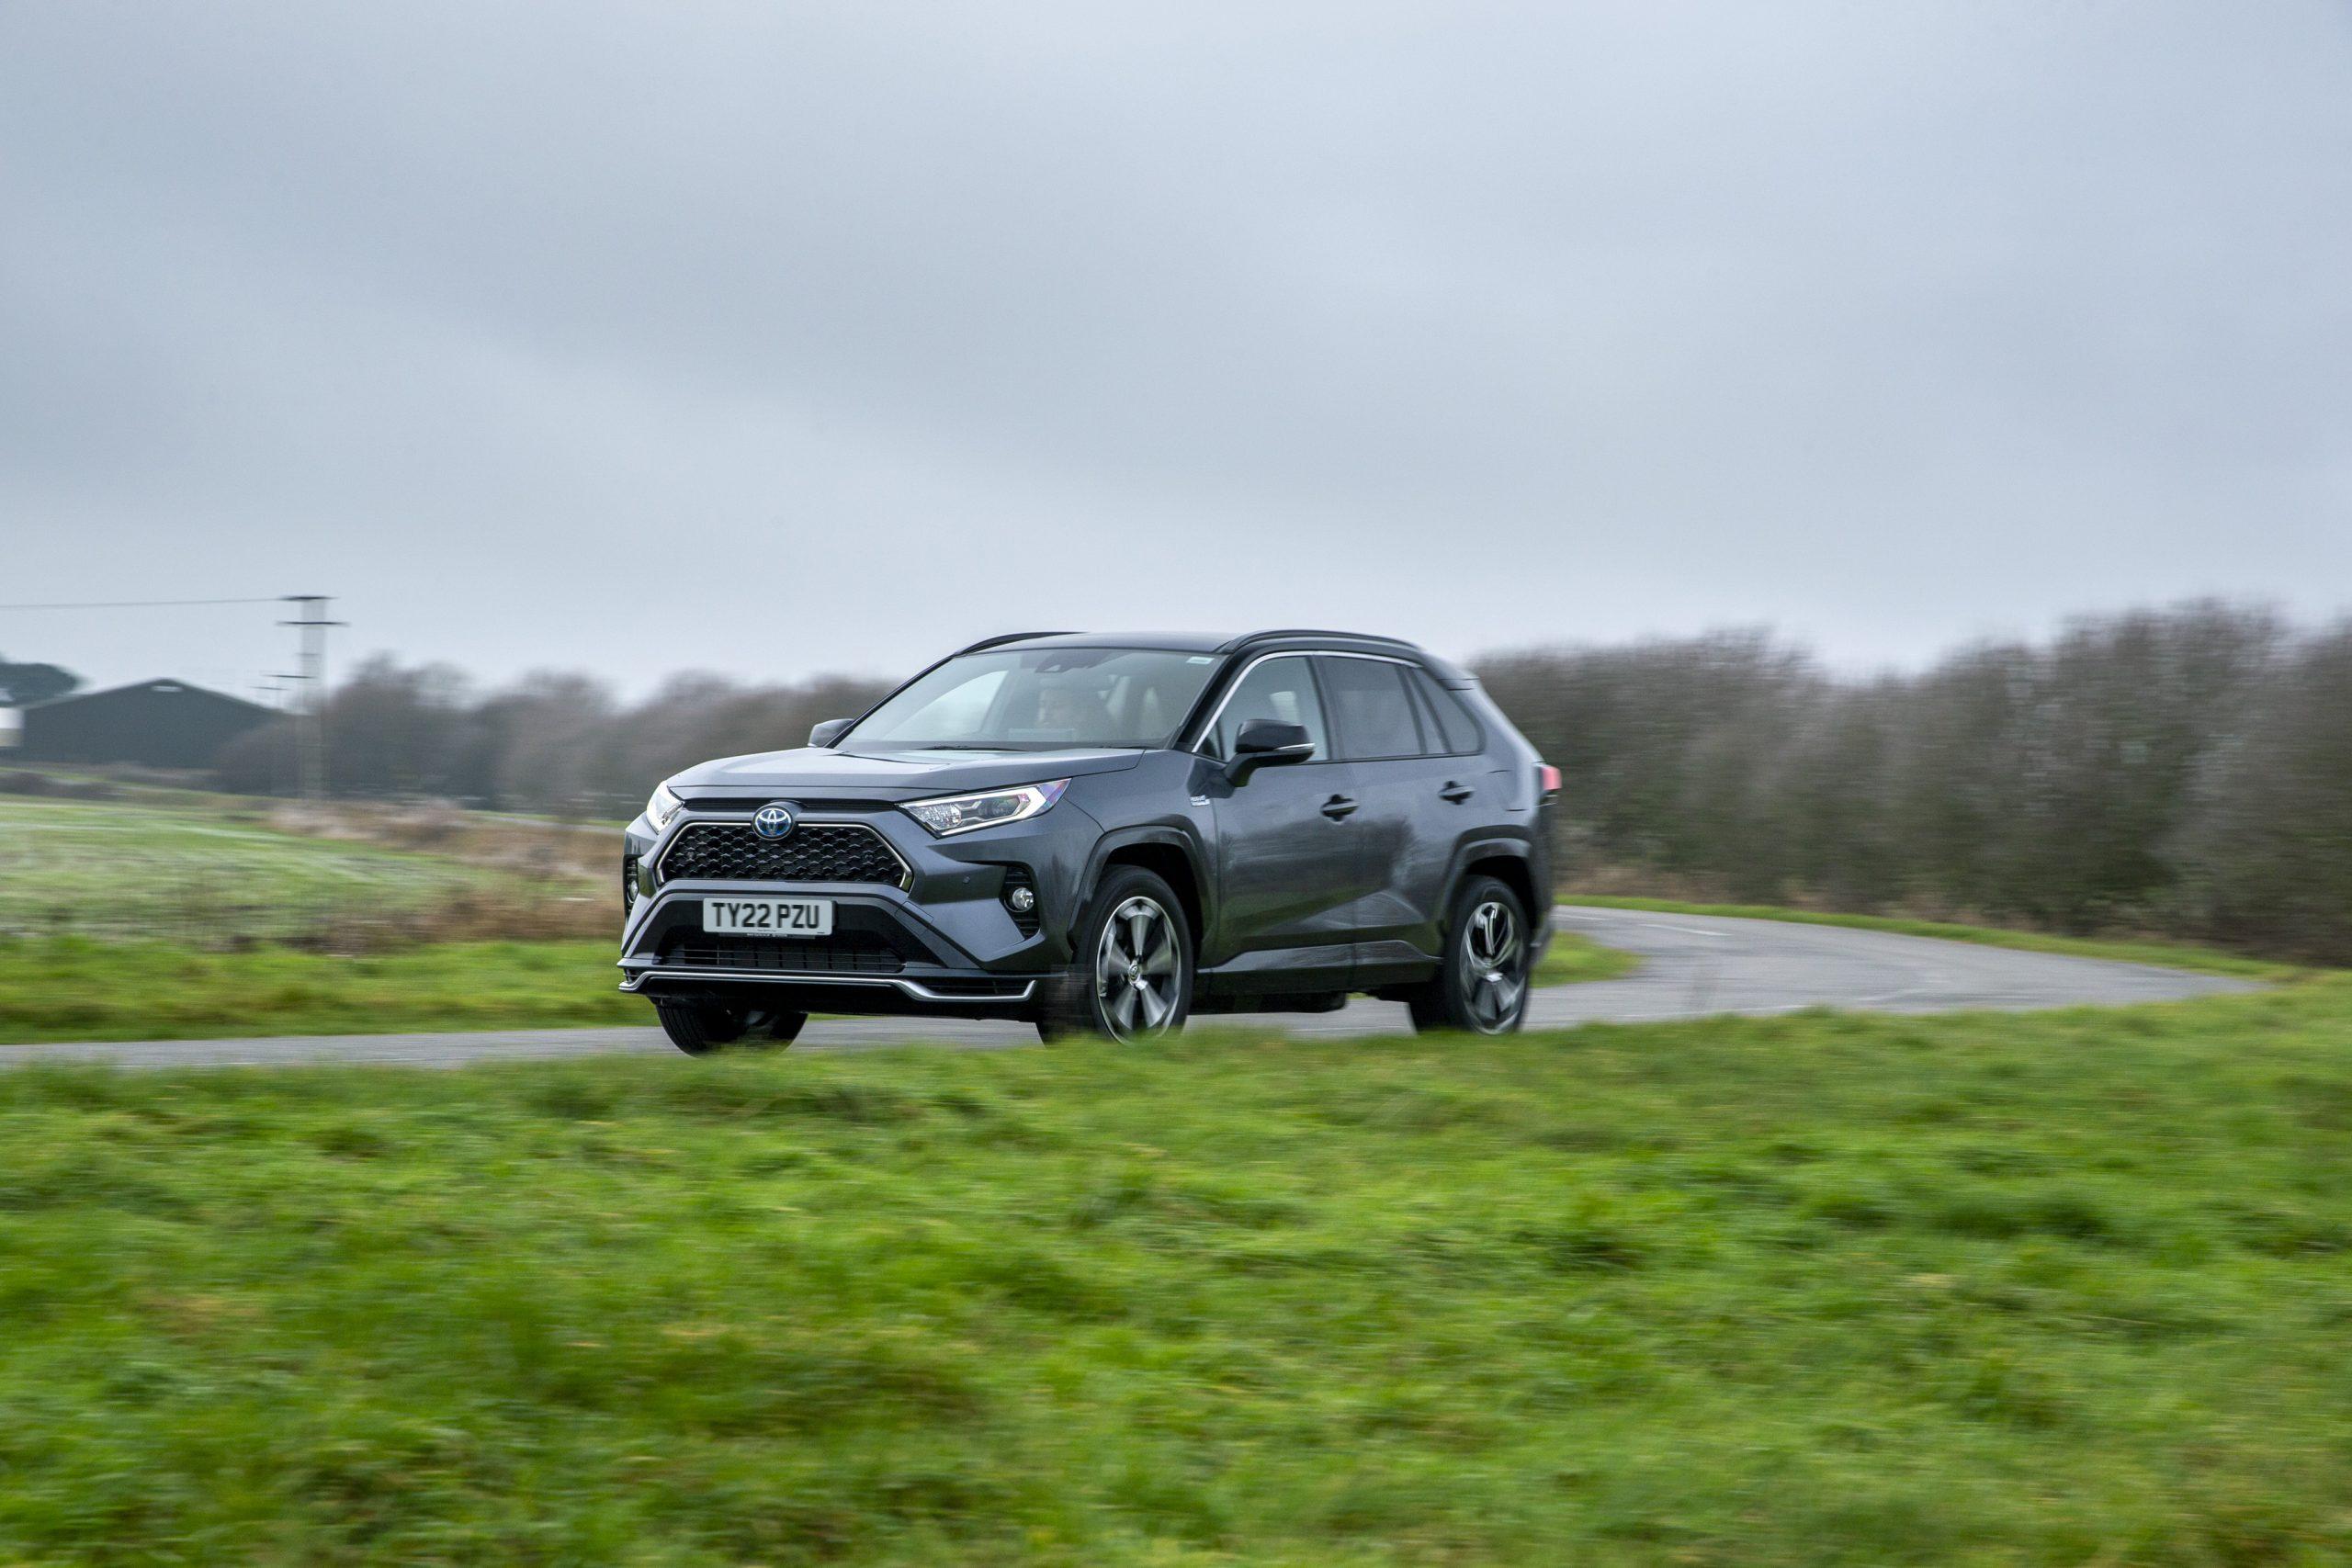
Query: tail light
[(1548, 780)]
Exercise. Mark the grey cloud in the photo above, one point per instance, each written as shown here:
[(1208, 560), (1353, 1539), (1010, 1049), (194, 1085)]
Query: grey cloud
[(1888, 324)]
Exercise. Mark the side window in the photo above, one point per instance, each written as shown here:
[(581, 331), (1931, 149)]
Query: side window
[(1455, 727), (1371, 709), (1280, 688)]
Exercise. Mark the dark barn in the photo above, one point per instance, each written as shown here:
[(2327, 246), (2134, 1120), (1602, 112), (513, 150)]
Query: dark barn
[(162, 724)]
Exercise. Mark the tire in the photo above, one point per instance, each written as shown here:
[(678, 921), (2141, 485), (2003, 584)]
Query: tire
[(700, 1028), (1114, 989), (778, 1027), (1482, 985)]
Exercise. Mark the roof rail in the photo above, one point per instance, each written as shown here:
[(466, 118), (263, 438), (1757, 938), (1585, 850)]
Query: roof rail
[(1008, 637), (1246, 639)]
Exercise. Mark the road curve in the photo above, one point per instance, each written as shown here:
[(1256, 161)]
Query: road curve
[(1692, 965)]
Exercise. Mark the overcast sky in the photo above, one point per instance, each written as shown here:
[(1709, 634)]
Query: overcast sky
[(777, 339)]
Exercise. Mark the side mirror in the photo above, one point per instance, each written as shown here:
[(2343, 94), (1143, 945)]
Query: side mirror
[(1265, 743), (825, 734)]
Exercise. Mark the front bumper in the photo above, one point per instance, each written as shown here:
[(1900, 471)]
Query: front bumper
[(947, 942)]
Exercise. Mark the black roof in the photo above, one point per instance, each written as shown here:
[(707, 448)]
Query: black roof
[(1192, 642)]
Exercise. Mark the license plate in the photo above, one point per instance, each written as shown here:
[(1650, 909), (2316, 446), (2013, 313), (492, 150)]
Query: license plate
[(769, 917)]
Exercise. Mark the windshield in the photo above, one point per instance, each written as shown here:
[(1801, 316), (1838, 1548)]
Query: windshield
[(1044, 699)]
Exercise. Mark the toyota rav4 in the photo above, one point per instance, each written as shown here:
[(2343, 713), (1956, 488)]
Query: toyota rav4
[(1107, 834)]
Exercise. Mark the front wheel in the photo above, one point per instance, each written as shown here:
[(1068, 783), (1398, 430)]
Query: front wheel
[(1482, 985), (1132, 974), (698, 1028)]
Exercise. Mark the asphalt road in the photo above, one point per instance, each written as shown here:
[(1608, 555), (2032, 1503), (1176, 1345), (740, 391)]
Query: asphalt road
[(1692, 966)]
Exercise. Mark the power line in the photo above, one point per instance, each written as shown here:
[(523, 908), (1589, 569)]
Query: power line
[(142, 603), (305, 699)]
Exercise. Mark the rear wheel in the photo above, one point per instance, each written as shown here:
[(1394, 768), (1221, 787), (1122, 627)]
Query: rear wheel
[(1482, 985), (698, 1028), (1132, 974)]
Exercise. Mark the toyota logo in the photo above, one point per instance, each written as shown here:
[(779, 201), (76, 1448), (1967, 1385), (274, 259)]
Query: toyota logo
[(772, 821)]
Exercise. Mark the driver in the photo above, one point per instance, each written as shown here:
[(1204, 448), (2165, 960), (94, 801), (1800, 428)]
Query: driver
[(1058, 708)]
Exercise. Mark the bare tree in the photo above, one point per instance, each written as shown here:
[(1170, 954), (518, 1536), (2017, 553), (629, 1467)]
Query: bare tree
[(2187, 769)]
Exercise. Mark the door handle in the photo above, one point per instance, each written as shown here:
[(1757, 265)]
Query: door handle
[(1457, 792), (1339, 805)]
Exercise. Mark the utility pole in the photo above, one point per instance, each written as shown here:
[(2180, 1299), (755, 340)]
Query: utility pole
[(313, 624), (286, 749), (270, 693)]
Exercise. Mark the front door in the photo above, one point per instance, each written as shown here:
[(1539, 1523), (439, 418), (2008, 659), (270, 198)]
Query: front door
[(1286, 860)]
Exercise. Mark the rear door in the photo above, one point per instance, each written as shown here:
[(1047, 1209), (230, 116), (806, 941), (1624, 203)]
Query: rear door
[(1408, 815), (1286, 863)]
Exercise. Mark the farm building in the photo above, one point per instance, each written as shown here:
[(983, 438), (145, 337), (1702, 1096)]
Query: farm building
[(162, 724)]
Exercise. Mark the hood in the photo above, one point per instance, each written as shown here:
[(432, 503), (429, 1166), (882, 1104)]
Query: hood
[(811, 773)]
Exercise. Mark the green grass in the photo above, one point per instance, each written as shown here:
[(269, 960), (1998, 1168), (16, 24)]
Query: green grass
[(71, 989), (2170, 954), (200, 873), (76, 989), (2067, 1288), (1573, 958)]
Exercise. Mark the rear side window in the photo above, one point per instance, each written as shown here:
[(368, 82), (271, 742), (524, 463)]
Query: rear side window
[(1443, 715), (1371, 709)]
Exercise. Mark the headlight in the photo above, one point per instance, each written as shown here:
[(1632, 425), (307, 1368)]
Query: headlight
[(952, 814), (662, 807)]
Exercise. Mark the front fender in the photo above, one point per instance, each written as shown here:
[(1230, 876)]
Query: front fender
[(1183, 837)]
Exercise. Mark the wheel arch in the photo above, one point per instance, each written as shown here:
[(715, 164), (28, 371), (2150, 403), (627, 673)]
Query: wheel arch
[(1168, 854), (1510, 862)]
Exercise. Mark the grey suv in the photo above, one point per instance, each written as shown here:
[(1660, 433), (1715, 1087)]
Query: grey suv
[(1107, 834)]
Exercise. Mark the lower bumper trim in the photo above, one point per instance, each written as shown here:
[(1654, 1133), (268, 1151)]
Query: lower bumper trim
[(914, 988)]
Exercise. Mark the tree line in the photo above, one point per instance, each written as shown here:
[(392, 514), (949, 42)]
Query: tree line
[(2183, 772), (556, 743), (23, 683)]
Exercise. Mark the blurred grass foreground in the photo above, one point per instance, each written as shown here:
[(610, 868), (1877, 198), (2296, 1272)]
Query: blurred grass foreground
[(2066, 1288)]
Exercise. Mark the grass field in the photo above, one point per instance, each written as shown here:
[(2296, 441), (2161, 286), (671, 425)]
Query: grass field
[(77, 990), (2066, 1288), (214, 872), (175, 915), (136, 868), (2168, 955), (80, 990), (1573, 958), (170, 916)]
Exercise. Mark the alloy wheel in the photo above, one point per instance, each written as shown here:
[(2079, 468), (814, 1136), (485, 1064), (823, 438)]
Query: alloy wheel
[(1136, 970), (1494, 963)]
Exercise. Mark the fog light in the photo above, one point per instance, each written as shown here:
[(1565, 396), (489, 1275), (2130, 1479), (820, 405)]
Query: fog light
[(1021, 899)]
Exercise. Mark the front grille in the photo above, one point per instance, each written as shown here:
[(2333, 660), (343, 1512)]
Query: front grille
[(813, 851), (844, 952)]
